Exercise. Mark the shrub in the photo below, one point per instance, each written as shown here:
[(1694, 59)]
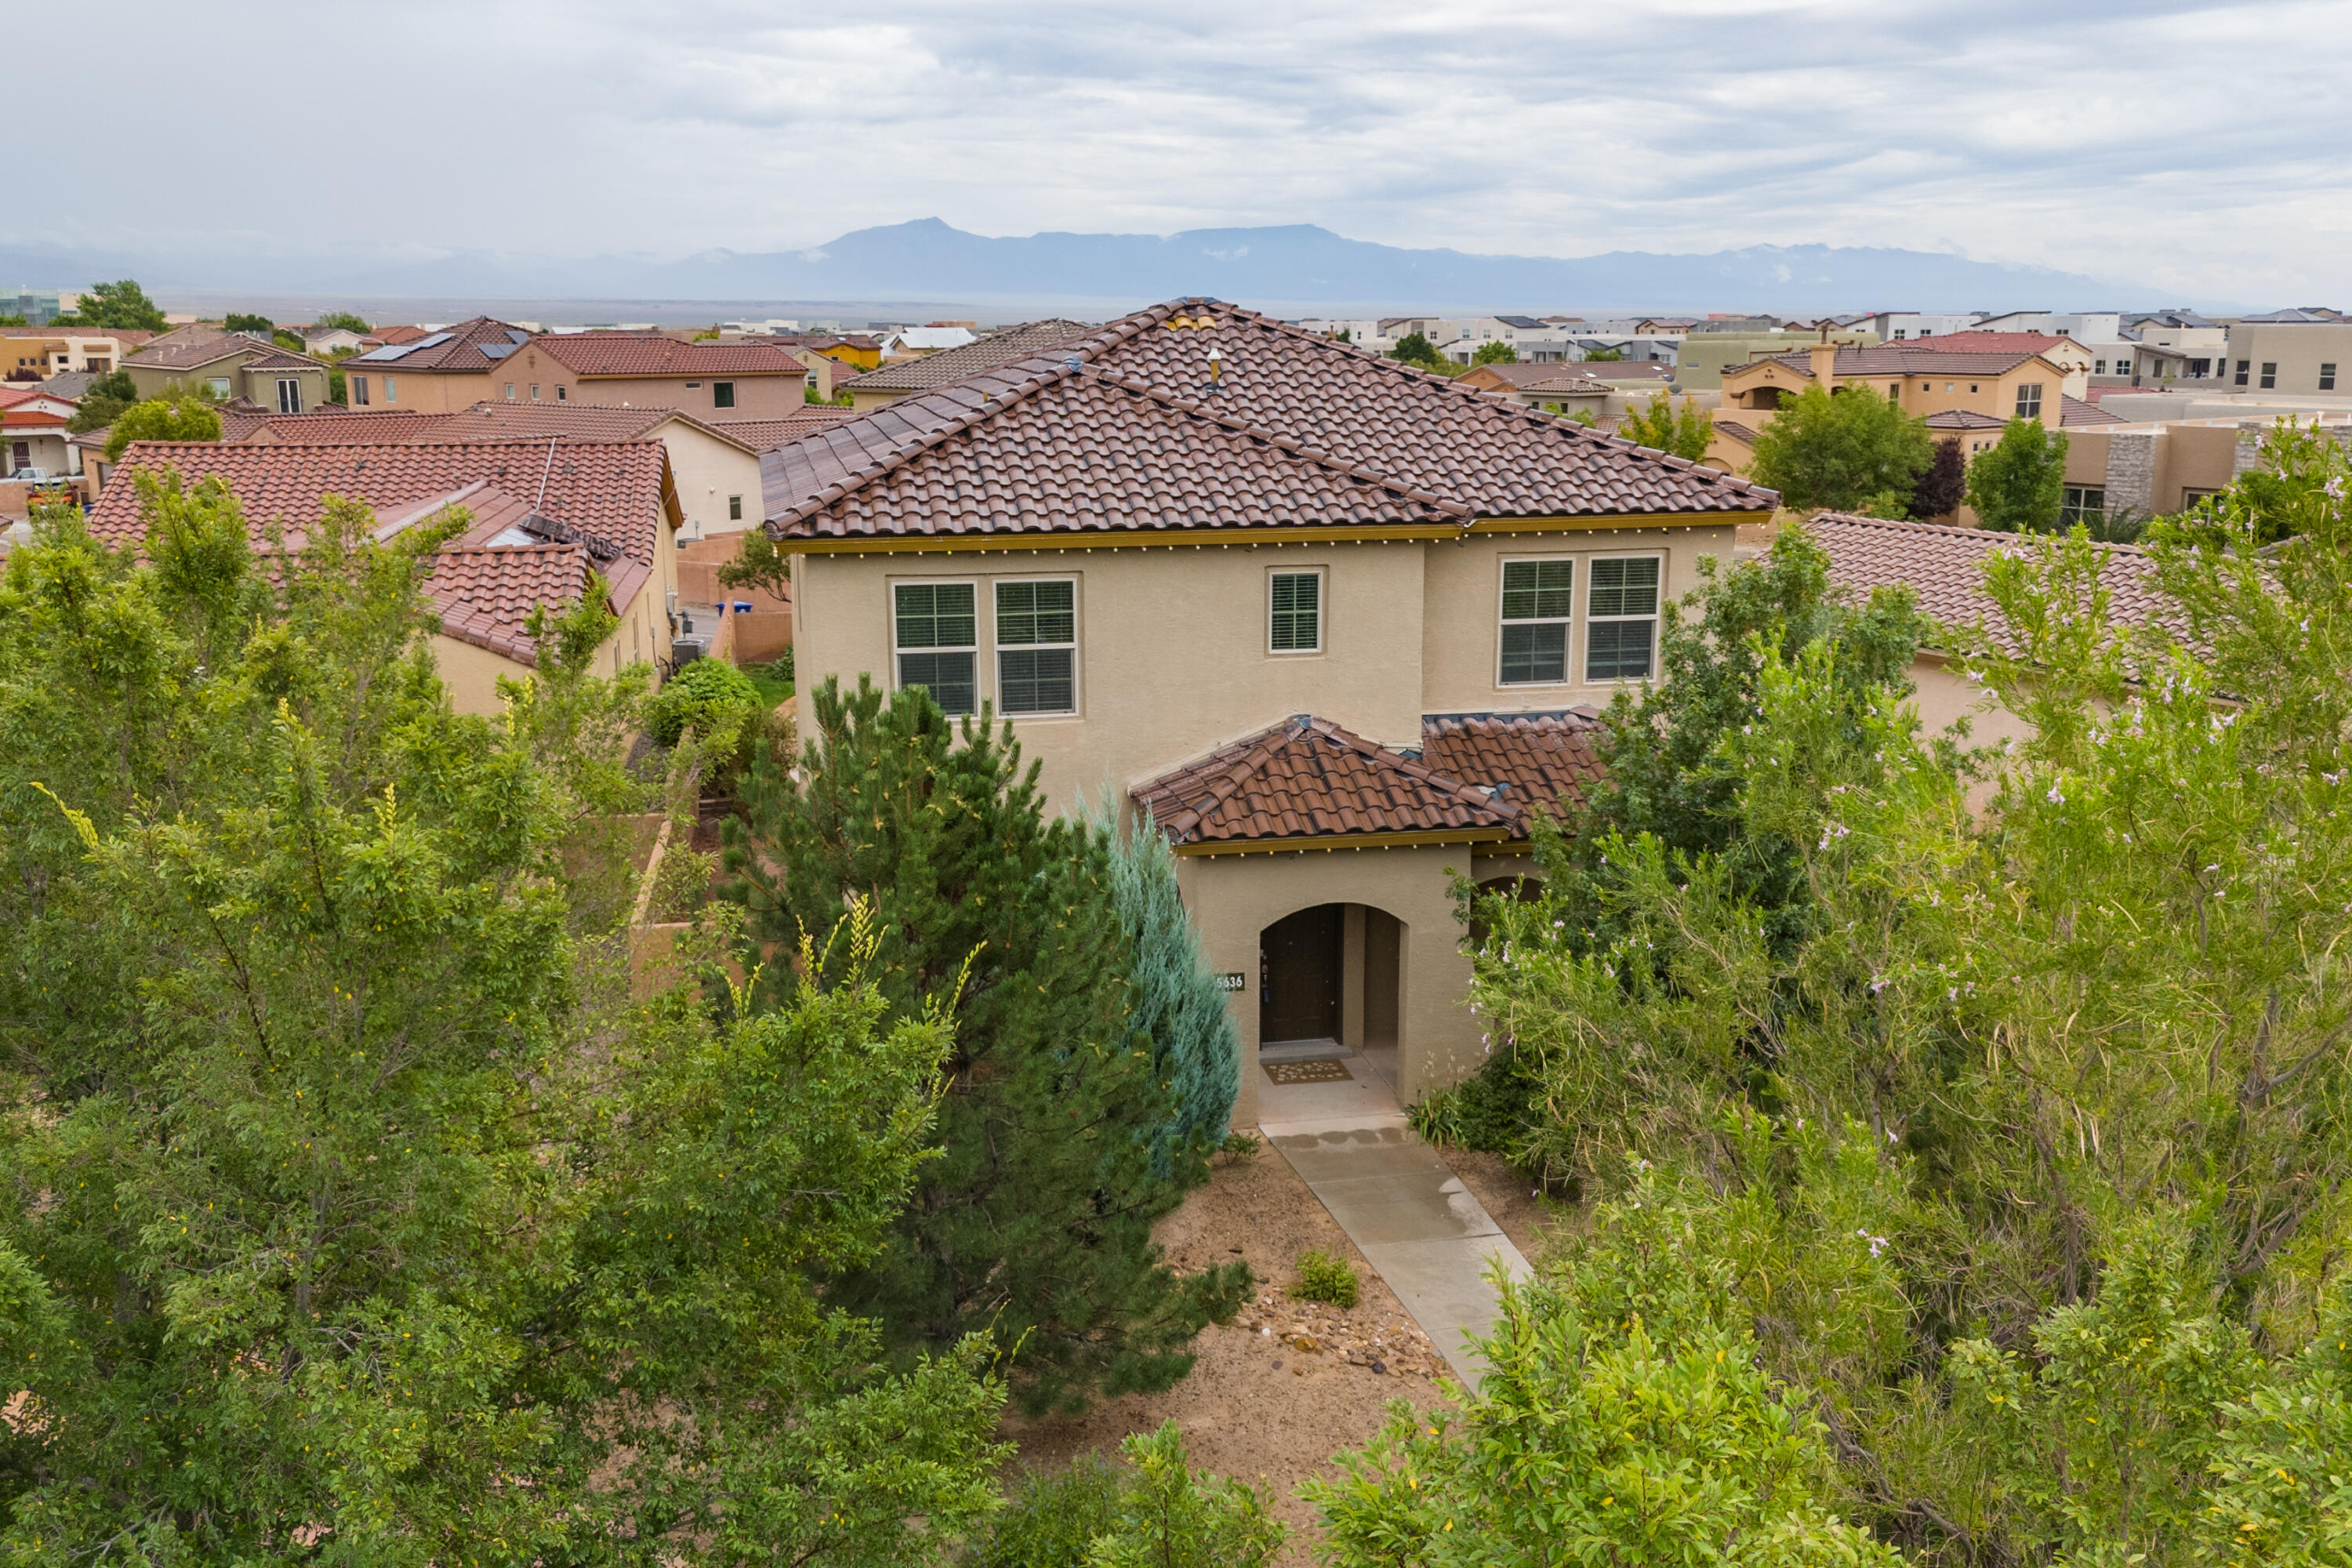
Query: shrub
[(707, 696), (1052, 1521), (1323, 1278)]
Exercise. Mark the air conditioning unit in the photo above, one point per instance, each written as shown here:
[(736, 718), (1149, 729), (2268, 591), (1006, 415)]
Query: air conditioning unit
[(686, 650)]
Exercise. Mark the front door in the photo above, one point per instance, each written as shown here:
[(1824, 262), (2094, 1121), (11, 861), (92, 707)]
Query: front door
[(23, 453), (1298, 976)]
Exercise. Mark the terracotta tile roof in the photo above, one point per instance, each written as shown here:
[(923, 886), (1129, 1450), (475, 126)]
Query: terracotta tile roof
[(1537, 759), (1296, 408), (1523, 376), (615, 490), (1991, 342), (1964, 419), (498, 421), (1627, 370), (947, 366), (210, 346), (486, 596), (2073, 412), (469, 348), (765, 434), (1897, 359), (1945, 567), (642, 354), (1306, 778), (333, 428), (1558, 384)]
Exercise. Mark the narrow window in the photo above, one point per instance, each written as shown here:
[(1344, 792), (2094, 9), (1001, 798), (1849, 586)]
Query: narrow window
[(511, 392), (938, 639), (1537, 598), (289, 394), (359, 391), (563, 393), (734, 509), (1620, 615), (2029, 401), (2270, 373), (2098, 367), (2242, 368), (1295, 623), (2327, 375), (390, 390), (1036, 646), (722, 394), (2083, 503)]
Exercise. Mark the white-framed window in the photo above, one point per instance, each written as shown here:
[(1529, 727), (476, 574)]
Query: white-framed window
[(734, 509), (1620, 618), (511, 392), (1538, 597), (936, 630), (359, 391), (289, 394), (391, 390), (534, 392), (562, 393), (219, 383), (1037, 645), (2029, 400), (1294, 621)]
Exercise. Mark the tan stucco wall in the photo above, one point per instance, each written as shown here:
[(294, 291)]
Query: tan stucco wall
[(1232, 899), (472, 673), (756, 397), (419, 392), (707, 470)]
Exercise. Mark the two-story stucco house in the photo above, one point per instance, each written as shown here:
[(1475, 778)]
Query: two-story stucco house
[(1338, 624)]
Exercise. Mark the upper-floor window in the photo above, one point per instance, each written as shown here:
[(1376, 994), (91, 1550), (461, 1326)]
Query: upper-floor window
[(2270, 373), (289, 394), (391, 390), (937, 632), (1538, 597), (534, 392), (2029, 401), (359, 391), (1294, 612), (2327, 375), (511, 392), (722, 394), (561, 393), (1620, 614), (1036, 646), (2243, 367), (734, 509), (219, 383)]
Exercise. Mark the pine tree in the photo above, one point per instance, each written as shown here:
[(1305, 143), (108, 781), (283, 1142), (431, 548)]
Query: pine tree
[(1035, 1221), (1196, 1049)]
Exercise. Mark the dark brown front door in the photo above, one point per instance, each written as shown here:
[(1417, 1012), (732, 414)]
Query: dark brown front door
[(1298, 976)]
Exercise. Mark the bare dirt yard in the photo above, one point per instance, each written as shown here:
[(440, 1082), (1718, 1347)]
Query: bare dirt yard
[(1289, 1383)]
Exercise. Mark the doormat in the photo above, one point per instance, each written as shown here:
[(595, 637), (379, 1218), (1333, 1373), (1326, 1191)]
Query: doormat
[(1322, 1071)]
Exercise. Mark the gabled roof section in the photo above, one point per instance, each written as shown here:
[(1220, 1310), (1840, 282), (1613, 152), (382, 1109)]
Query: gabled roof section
[(469, 348), (333, 428), (1306, 779), (766, 435), (1522, 760), (2073, 413), (949, 366), (497, 421), (207, 344), (1299, 400), (1964, 419), (645, 354), (486, 596), (1921, 358)]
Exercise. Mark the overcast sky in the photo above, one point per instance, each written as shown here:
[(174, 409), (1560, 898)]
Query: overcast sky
[(2200, 149)]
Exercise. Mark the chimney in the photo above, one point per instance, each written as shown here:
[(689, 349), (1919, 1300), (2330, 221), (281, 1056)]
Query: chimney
[(1822, 363)]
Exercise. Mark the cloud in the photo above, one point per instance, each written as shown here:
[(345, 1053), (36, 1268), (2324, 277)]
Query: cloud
[(2186, 144)]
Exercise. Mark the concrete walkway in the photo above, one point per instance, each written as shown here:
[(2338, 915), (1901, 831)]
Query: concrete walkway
[(1399, 1202)]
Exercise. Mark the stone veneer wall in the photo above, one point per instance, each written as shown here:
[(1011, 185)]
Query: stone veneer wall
[(2131, 471)]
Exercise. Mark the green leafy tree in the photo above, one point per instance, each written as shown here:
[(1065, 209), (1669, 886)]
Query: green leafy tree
[(1495, 353), (757, 564), (1943, 484), (245, 321), (103, 402), (346, 319), (1851, 451), (1170, 1516), (159, 419), (1036, 1221), (1415, 348), (1603, 355), (1684, 431), (115, 305), (2299, 476), (2018, 485)]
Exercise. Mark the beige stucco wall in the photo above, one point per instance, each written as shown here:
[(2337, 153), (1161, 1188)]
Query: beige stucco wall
[(418, 391), (756, 397), (1234, 897), (471, 674), (707, 470)]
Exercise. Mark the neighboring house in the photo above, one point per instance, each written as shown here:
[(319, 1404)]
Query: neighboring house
[(1547, 386), (2079, 361), (438, 371), (766, 435), (715, 471), (1701, 358), (908, 341), (230, 366), (2308, 354), (543, 519), (33, 432), (856, 353), (877, 388), (1920, 379), (2087, 327), (711, 380), (31, 355), (326, 341), (1902, 326), (1338, 623), (1647, 373)]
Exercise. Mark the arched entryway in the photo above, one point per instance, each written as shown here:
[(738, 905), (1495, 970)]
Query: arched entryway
[(1331, 983)]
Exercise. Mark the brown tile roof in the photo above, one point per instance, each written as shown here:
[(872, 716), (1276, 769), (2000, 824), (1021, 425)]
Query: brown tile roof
[(615, 490), (398, 334), (209, 346), (469, 348), (1291, 404), (486, 596), (1736, 431), (1306, 778), (1537, 759), (573, 421), (334, 427), (1557, 384), (642, 354), (1964, 419), (1945, 567), (1989, 343), (1627, 370), (1921, 358), (764, 435), (947, 366), (2073, 412), (1521, 376)]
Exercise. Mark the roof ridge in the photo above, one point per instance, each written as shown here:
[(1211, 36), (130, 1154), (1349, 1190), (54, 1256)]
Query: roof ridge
[(1468, 793), (1251, 752), (1990, 536)]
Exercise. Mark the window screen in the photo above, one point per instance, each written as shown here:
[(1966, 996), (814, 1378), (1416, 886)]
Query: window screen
[(1036, 646), (1296, 625), (938, 637), (1538, 596), (1622, 619)]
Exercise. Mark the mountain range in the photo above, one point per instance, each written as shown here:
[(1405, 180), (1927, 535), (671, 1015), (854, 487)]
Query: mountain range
[(1293, 268)]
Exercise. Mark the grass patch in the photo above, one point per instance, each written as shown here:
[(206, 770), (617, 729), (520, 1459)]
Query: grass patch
[(774, 681), (1323, 1278)]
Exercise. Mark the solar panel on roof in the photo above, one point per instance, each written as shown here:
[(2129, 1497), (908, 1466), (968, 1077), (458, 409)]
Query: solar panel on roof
[(429, 342), (390, 351), (496, 350), (516, 334)]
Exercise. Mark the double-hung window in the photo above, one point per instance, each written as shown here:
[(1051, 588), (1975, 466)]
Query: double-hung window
[(2083, 503), (937, 636), (2269, 373), (2029, 400), (1620, 615), (2327, 375), (1538, 596), (2243, 367), (1038, 646), (289, 394), (1294, 612), (359, 391)]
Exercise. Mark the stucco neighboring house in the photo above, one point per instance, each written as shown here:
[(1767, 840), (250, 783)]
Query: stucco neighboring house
[(877, 388), (324, 341), (2290, 352), (712, 379), (33, 432), (230, 365), (544, 517), (716, 472), (39, 354), (436, 372), (1921, 380), (1338, 624), (1548, 386)]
